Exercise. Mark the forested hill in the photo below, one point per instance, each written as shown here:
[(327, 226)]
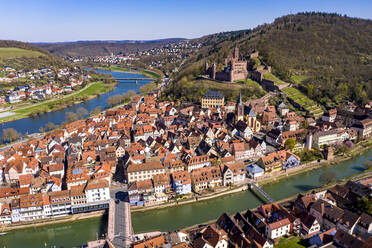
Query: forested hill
[(102, 48), (24, 56), (333, 53)]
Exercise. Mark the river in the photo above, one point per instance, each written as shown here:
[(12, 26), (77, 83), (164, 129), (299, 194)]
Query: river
[(33, 124), (172, 218)]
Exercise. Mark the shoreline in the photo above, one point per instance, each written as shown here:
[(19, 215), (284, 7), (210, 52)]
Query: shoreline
[(269, 180), (59, 220), (91, 215), (287, 199), (111, 87), (18, 116), (150, 74)]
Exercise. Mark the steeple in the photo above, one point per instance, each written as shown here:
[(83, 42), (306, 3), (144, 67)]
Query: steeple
[(240, 99)]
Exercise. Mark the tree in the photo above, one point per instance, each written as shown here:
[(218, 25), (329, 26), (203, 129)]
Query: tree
[(10, 135), (305, 124), (113, 100), (367, 164), (70, 117), (343, 149), (50, 126), (96, 110), (364, 204), (327, 177), (290, 144), (81, 112)]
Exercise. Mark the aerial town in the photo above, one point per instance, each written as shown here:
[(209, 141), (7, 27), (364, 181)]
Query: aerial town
[(166, 152), (188, 124)]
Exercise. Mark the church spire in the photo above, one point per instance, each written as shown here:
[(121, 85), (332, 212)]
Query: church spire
[(240, 98)]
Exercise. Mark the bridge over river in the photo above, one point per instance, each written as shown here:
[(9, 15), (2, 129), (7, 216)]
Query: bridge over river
[(119, 229), (261, 192), (131, 79)]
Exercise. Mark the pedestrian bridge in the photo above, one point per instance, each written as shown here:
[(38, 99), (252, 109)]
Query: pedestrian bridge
[(119, 230), (261, 192)]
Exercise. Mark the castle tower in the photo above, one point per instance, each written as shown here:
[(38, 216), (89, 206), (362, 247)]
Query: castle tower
[(236, 53), (213, 76)]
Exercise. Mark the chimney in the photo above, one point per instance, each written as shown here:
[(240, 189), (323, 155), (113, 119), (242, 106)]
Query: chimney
[(322, 208)]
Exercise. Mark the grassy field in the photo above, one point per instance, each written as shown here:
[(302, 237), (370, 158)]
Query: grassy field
[(95, 88), (305, 102), (249, 83), (298, 79), (12, 52), (272, 77), (292, 242), (150, 74), (114, 68)]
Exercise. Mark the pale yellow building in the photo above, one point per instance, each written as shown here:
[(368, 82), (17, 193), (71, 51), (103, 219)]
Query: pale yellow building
[(212, 99)]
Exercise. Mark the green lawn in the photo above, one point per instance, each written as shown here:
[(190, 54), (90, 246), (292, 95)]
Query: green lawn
[(248, 82), (272, 77), (94, 89), (13, 52), (150, 74), (292, 242)]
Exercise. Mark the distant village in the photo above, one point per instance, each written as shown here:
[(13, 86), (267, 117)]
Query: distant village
[(39, 83), (156, 57)]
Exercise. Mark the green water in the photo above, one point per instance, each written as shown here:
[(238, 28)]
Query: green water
[(77, 233)]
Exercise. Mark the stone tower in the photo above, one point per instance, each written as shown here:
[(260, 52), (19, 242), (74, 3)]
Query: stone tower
[(236, 53), (213, 76)]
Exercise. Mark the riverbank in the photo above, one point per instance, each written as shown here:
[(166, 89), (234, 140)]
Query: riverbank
[(205, 198), (269, 179), (291, 198), (58, 220), (182, 216), (148, 73), (89, 92)]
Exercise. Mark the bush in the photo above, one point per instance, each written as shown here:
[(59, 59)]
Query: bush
[(81, 112), (327, 177), (10, 135), (71, 117)]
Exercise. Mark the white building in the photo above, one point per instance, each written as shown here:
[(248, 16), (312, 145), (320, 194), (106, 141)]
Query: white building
[(97, 192), (278, 229)]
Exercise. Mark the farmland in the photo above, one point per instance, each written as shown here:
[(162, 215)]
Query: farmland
[(13, 52), (302, 101)]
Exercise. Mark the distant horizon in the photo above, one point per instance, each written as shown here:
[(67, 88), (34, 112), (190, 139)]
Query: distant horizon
[(43, 21), (138, 41)]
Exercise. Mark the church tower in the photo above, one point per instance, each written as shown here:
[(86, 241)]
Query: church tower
[(240, 108)]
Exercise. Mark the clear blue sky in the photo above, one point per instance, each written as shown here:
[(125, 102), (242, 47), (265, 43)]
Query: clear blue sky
[(71, 20)]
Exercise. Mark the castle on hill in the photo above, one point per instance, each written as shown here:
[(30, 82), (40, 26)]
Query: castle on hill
[(235, 69)]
